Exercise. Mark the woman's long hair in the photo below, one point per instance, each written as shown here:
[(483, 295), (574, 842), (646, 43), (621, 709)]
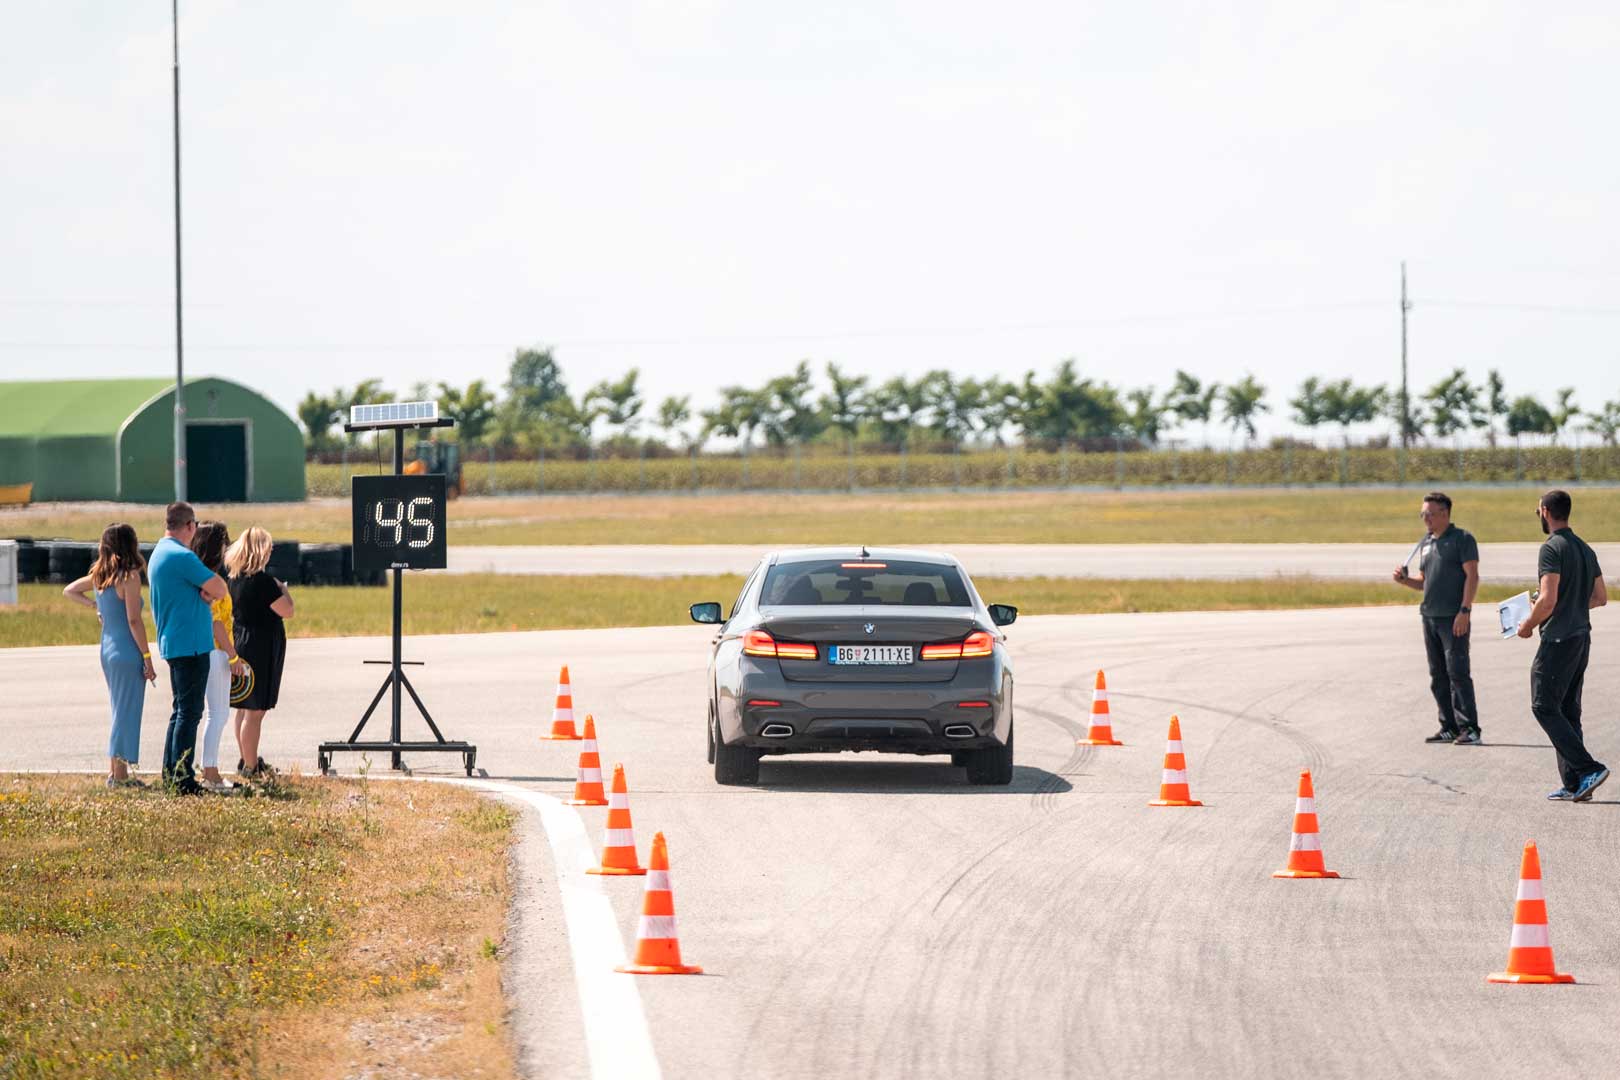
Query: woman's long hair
[(119, 556), (249, 554), (209, 545)]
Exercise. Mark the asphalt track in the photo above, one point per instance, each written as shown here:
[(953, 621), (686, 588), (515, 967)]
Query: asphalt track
[(1499, 563), (873, 916)]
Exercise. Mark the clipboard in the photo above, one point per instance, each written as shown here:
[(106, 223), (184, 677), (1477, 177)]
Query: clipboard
[(1512, 612)]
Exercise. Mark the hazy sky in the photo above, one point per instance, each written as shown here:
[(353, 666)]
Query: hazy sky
[(713, 191)]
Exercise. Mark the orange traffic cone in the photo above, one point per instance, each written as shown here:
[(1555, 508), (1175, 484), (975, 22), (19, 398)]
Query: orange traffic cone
[(588, 783), (1530, 958), (1173, 789), (619, 839), (1305, 847), (562, 714), (1101, 732), (658, 948)]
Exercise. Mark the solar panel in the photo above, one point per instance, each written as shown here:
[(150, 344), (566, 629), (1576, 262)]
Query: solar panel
[(394, 414)]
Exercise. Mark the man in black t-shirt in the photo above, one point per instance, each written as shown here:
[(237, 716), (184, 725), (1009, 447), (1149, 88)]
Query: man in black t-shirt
[(1448, 559), (1571, 585)]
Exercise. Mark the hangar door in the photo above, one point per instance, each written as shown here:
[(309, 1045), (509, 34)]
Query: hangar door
[(217, 462)]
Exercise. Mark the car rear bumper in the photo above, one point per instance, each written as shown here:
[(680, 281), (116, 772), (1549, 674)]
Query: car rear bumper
[(896, 718)]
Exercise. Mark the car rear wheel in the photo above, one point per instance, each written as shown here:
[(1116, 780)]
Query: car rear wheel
[(993, 766), (732, 764)]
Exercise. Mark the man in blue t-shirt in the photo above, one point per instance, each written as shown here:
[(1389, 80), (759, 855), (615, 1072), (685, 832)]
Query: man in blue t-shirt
[(182, 589)]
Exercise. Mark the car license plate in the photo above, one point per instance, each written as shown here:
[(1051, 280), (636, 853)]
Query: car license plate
[(869, 654)]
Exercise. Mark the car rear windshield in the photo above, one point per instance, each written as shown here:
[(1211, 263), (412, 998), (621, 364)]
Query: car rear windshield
[(864, 581)]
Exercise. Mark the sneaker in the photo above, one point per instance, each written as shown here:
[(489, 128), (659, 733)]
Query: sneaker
[(222, 786), (1590, 783), (1442, 736), (125, 782), (1467, 737), (1563, 794)]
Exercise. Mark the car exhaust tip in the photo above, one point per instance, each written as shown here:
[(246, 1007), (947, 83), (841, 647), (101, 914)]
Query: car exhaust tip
[(959, 731), (776, 731)]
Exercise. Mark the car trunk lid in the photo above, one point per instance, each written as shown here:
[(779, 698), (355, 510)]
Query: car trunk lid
[(911, 627)]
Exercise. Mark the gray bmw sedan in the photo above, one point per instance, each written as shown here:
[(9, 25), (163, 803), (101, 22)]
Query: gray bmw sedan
[(833, 649)]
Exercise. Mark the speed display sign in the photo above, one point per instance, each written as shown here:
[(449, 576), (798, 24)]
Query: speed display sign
[(399, 522)]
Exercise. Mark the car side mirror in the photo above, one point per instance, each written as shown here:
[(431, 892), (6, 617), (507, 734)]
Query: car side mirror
[(706, 613), (1003, 614)]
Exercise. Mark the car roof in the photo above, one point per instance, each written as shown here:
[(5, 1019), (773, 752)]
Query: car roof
[(794, 555)]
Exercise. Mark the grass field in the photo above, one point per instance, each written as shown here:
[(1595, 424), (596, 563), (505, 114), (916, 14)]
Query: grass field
[(480, 603), (308, 934), (1065, 517), (827, 468)]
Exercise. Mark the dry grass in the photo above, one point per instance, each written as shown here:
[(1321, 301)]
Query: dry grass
[(334, 928), (478, 603), (1384, 515)]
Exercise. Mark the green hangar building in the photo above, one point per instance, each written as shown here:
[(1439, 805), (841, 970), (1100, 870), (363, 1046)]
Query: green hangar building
[(113, 439)]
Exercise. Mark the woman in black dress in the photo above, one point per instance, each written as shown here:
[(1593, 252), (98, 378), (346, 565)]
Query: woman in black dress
[(260, 602)]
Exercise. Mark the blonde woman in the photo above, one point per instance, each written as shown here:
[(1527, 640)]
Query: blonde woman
[(126, 657), (259, 603)]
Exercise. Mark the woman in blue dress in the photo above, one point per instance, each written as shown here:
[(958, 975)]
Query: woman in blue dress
[(126, 659)]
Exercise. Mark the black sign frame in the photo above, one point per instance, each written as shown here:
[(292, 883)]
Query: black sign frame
[(399, 522)]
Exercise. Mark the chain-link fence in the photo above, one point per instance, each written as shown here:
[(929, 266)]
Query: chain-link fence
[(488, 471)]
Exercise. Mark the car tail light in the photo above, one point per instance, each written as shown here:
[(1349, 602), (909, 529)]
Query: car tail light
[(963, 704), (978, 643), (760, 643), (863, 566), (764, 703)]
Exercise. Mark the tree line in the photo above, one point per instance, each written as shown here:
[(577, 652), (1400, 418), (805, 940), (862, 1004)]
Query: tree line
[(535, 409)]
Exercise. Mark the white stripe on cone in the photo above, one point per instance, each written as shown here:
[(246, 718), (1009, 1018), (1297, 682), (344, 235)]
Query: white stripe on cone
[(1530, 889), (1174, 776), (1530, 936), (656, 926), (618, 800), (588, 746), (658, 881), (1172, 746), (619, 838), (1305, 806), (1305, 842), (590, 776), (1099, 695), (562, 714)]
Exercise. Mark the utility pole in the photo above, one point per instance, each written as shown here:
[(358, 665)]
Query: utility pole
[(179, 329), (1406, 405)]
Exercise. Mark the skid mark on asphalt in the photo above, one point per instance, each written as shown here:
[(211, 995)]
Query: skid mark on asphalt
[(1313, 753), (1425, 779)]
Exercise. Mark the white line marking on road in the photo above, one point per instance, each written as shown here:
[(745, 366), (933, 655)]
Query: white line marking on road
[(616, 1033)]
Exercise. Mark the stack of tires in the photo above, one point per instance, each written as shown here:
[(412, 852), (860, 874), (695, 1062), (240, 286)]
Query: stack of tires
[(33, 560), (62, 561), (321, 564), (70, 560)]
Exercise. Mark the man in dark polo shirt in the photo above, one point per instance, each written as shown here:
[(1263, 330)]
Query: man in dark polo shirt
[(1571, 586), (1449, 563)]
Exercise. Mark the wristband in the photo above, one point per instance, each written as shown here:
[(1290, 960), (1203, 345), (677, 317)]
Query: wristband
[(146, 656), (230, 659), (1465, 610)]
